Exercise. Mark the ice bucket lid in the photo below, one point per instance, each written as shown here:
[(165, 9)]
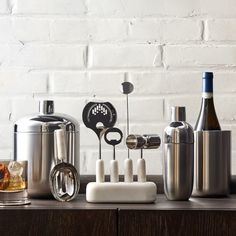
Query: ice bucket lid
[(46, 121), (179, 132)]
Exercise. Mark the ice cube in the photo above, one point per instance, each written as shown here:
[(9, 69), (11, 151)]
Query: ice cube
[(15, 168)]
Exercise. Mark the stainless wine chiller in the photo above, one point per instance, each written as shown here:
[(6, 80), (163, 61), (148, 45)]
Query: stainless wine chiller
[(212, 163)]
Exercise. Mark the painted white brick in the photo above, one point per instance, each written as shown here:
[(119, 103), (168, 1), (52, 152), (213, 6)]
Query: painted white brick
[(149, 30), (89, 29), (31, 29), (8, 51), (224, 82), (212, 8), (6, 30), (125, 56), (146, 109), (142, 8), (50, 56), (49, 7), (164, 31), (23, 29), (91, 83), (5, 114), (155, 83), (224, 105), (24, 106), (180, 82), (101, 83), (19, 81), (195, 56), (6, 135), (69, 82), (221, 30), (181, 30), (4, 7)]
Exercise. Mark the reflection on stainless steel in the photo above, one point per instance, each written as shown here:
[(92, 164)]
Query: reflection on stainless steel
[(153, 141), (178, 114), (135, 141), (178, 158), (146, 141), (34, 141), (178, 171), (212, 163), (64, 182), (64, 178)]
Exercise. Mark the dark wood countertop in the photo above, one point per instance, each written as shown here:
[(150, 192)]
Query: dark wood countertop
[(198, 216), (228, 203)]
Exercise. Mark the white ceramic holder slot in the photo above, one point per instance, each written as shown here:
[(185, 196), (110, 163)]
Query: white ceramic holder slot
[(121, 192), (100, 176), (141, 167), (128, 165)]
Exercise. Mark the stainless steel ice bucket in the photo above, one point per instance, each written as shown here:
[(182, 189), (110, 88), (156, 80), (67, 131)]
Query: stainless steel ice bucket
[(212, 163), (34, 142)]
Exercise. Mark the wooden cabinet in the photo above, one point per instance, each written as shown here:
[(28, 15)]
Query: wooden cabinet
[(52, 218), (48, 217), (177, 223)]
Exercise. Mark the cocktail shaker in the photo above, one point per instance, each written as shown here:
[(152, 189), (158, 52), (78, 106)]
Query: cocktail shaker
[(178, 158), (34, 142)]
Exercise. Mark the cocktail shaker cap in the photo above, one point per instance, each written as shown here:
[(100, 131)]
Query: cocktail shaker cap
[(178, 114), (46, 121), (178, 131)]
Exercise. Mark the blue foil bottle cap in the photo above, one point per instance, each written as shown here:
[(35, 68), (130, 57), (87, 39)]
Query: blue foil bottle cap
[(207, 82), (207, 75)]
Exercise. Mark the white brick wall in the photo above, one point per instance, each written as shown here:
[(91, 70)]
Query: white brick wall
[(74, 51)]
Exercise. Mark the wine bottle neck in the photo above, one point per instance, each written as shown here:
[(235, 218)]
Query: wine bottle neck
[(207, 95), (207, 88)]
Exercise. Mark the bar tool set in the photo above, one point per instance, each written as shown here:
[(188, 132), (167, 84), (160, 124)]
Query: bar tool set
[(46, 155), (129, 190)]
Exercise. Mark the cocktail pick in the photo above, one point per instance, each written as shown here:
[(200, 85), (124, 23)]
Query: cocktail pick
[(127, 88)]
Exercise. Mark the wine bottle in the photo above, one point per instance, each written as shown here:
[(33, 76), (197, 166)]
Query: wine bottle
[(207, 119)]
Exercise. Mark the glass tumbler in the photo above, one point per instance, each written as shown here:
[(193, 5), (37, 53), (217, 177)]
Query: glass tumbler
[(13, 183)]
